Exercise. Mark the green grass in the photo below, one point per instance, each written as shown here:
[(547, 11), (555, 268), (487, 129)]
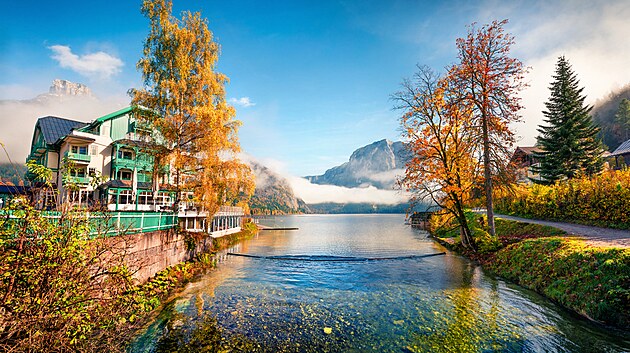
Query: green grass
[(521, 229), (593, 281)]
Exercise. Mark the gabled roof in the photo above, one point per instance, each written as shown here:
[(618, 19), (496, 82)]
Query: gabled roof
[(54, 128), (115, 114), (529, 150), (622, 149)]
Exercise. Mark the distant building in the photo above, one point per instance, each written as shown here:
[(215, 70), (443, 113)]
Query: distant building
[(8, 191), (622, 155), (523, 159)]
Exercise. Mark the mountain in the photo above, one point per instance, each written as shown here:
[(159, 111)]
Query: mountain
[(603, 114), (273, 194), (377, 164), (12, 173), (63, 99)]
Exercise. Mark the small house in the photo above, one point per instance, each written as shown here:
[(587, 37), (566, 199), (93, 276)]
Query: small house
[(622, 155), (523, 159)]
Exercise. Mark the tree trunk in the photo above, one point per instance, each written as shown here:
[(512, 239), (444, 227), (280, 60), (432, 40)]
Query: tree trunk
[(487, 174), (466, 236)]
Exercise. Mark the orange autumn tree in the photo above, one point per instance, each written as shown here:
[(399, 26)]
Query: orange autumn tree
[(490, 80), (442, 167), (185, 97)]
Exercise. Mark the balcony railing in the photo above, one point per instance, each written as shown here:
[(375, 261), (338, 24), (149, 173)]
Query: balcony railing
[(79, 180), (131, 163), (84, 158)]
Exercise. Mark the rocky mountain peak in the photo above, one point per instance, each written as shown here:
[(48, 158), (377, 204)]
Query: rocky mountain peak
[(377, 164), (273, 193), (67, 88)]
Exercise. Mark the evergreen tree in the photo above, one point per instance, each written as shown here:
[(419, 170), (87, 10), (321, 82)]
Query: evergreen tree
[(623, 116), (569, 143)]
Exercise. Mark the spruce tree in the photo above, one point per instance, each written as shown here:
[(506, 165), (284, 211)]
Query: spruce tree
[(569, 142)]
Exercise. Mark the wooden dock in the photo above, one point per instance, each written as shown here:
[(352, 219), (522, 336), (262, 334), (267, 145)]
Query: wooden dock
[(261, 227), (420, 219)]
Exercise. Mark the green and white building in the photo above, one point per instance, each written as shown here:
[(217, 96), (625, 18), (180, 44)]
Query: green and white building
[(109, 162), (113, 146)]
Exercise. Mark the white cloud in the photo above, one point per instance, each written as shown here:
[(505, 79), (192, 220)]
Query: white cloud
[(16, 91), (18, 118), (592, 35), (99, 64), (386, 177), (243, 102), (314, 193)]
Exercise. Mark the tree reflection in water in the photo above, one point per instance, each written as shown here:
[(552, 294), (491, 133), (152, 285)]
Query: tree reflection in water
[(467, 326)]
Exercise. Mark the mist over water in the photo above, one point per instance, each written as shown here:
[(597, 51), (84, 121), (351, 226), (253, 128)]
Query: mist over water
[(440, 303)]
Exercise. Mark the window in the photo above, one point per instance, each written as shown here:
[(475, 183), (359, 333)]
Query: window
[(93, 150), (124, 198), (78, 173), (145, 198), (163, 199), (92, 172), (112, 196), (79, 149), (82, 196), (125, 154), (124, 175)]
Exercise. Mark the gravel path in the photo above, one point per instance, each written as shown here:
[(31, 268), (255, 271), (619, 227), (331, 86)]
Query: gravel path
[(594, 235)]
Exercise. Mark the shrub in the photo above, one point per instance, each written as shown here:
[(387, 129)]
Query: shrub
[(602, 200), (59, 289)]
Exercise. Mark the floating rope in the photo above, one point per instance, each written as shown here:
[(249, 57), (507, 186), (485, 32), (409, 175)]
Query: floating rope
[(324, 258)]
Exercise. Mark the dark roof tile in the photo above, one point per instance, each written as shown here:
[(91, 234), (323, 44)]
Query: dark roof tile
[(622, 149), (54, 128)]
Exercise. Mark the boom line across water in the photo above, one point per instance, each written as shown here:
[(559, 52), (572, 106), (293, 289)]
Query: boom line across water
[(324, 258)]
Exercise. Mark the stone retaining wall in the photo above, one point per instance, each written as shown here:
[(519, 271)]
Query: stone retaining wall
[(148, 253)]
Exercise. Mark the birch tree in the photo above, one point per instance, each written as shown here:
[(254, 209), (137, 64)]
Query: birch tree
[(186, 97)]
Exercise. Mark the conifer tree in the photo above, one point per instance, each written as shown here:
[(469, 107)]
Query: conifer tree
[(569, 143), (622, 117)]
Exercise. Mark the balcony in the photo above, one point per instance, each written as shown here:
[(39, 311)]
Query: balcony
[(141, 164), (77, 157), (78, 180)]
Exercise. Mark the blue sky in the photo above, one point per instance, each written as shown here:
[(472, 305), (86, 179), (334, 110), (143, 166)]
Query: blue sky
[(311, 80)]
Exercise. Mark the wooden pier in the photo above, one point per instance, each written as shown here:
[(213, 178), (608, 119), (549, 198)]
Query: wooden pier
[(420, 219), (261, 227)]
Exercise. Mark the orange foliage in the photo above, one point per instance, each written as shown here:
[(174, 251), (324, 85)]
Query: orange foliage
[(186, 100), (442, 166), (490, 80)]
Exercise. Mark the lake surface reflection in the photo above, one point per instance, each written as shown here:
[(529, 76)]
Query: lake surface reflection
[(435, 304)]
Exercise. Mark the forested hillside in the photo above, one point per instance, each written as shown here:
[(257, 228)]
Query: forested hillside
[(612, 132), (13, 173)]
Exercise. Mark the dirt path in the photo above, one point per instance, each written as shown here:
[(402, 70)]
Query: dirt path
[(594, 235)]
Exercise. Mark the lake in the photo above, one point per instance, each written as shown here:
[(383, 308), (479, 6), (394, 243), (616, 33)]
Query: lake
[(442, 303)]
